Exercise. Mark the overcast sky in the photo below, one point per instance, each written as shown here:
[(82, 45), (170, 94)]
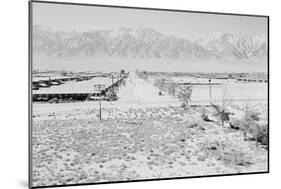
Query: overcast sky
[(182, 24)]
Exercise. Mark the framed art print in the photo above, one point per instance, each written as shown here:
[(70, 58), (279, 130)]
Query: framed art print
[(123, 94)]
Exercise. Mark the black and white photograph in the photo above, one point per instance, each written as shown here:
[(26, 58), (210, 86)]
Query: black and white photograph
[(120, 94)]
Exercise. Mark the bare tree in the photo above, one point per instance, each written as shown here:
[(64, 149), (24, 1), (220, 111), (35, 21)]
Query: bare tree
[(221, 109), (246, 121), (171, 87), (64, 73), (160, 83), (184, 95)]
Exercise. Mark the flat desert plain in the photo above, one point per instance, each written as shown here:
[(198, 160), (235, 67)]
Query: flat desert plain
[(141, 136)]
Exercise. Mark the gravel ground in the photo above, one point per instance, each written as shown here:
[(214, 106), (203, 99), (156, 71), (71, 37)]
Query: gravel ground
[(137, 144)]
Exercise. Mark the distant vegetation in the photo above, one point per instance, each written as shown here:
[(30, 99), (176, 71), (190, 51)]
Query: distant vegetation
[(226, 75), (142, 74), (169, 86), (64, 73)]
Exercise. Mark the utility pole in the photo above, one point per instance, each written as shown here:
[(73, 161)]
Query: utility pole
[(112, 79), (119, 81), (210, 89), (100, 87)]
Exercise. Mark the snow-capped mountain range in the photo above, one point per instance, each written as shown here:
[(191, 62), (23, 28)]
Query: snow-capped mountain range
[(145, 42)]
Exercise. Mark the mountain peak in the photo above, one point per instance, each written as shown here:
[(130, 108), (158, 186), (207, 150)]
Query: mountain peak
[(145, 42)]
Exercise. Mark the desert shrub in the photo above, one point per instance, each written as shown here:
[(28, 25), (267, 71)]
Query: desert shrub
[(227, 152), (167, 85), (142, 74), (235, 158), (249, 124), (236, 124), (160, 83), (204, 115), (111, 95), (221, 113), (184, 95), (64, 73), (171, 87), (221, 109), (183, 105), (260, 133), (255, 116)]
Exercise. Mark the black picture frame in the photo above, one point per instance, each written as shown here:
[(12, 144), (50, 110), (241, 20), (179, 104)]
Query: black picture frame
[(30, 110)]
